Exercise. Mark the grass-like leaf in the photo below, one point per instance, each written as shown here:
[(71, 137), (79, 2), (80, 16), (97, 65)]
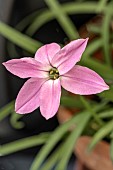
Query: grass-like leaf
[(70, 142), (22, 144), (15, 120), (100, 134), (57, 135), (63, 19), (106, 33), (6, 110), (106, 114), (101, 5), (18, 38), (53, 158)]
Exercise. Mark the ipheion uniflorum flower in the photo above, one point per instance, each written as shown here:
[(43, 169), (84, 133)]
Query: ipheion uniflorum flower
[(51, 68)]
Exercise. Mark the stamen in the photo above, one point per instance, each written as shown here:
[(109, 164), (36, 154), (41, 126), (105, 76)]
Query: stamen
[(56, 76), (57, 71), (51, 72), (54, 73)]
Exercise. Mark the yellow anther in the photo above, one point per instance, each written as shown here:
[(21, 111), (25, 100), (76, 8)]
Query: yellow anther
[(57, 71), (55, 77), (51, 72)]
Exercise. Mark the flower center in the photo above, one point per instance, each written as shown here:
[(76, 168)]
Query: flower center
[(54, 73)]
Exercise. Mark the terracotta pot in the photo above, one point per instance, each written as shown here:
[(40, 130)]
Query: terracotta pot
[(98, 159), (80, 166)]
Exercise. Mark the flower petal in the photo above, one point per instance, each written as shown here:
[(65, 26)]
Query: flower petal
[(68, 56), (46, 53), (26, 67), (28, 97), (50, 98), (83, 81)]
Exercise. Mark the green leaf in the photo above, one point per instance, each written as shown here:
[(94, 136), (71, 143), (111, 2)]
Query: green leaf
[(106, 33), (70, 142), (89, 108), (101, 5), (53, 158), (18, 38), (100, 134), (40, 20), (54, 138), (67, 8), (6, 110), (27, 20), (21, 26), (15, 122), (106, 114), (63, 19), (23, 144), (57, 135), (81, 8)]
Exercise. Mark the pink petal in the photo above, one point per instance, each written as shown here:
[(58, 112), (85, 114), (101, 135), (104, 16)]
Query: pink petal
[(46, 53), (50, 98), (26, 67), (83, 81), (28, 97), (68, 56)]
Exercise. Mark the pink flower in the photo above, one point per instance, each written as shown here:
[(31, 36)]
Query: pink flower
[(51, 68)]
